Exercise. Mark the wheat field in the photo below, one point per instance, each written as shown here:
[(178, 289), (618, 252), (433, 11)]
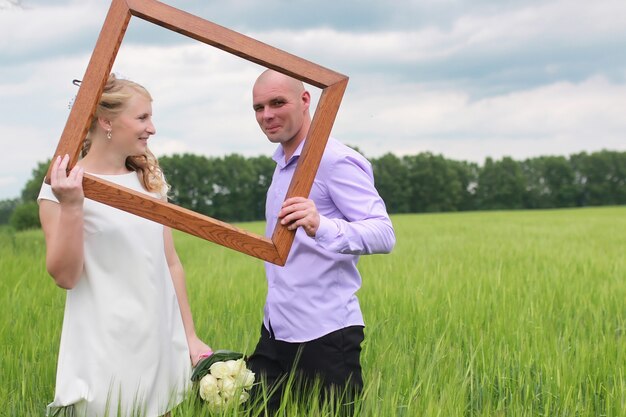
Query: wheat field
[(513, 313)]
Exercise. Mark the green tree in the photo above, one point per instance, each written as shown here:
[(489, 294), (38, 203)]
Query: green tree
[(550, 182), (560, 181), (536, 190), (230, 189), (392, 182), (6, 208), (435, 184), (191, 179), (242, 184), (467, 174), (25, 213), (233, 188), (601, 177), (263, 167), (501, 185), (32, 187), (235, 183), (25, 216)]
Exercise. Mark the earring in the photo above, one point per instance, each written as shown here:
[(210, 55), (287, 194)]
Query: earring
[(109, 134)]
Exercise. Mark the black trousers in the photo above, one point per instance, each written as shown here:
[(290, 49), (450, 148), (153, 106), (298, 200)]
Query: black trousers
[(334, 359)]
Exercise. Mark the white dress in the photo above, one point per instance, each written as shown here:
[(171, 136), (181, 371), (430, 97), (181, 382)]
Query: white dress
[(123, 346)]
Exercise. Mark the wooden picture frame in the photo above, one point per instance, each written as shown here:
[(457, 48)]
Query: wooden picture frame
[(333, 85)]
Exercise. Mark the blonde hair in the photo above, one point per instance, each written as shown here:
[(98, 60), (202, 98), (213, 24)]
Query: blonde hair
[(116, 94)]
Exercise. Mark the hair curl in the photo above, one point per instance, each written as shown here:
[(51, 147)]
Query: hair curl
[(116, 94)]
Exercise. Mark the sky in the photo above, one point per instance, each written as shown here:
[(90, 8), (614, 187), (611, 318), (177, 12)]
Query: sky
[(467, 79)]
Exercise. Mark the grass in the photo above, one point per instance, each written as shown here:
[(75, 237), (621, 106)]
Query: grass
[(473, 314)]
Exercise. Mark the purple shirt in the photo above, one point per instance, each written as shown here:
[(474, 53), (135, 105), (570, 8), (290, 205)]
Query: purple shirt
[(315, 292)]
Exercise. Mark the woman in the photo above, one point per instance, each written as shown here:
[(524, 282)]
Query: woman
[(128, 333)]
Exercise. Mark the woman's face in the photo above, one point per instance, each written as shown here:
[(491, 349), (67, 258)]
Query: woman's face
[(133, 126)]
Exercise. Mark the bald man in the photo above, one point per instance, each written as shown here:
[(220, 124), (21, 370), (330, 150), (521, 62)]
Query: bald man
[(312, 320)]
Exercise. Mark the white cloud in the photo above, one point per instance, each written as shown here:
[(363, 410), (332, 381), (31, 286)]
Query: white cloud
[(30, 28), (561, 118), (536, 24), (7, 181), (542, 21), (165, 146), (203, 95), (22, 147)]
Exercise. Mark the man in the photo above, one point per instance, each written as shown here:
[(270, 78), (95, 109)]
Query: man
[(312, 320)]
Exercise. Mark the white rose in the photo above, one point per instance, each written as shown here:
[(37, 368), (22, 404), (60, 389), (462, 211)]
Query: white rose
[(227, 387), (235, 366), (216, 402), (220, 370), (208, 387), (243, 397), (245, 379)]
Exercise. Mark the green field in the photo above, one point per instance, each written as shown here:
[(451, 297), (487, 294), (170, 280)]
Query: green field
[(474, 314)]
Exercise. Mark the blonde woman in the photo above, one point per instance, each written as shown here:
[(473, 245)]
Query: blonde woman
[(128, 340)]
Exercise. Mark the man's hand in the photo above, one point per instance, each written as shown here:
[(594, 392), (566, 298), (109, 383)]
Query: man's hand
[(300, 211)]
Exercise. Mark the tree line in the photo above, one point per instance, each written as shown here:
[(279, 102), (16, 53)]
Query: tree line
[(432, 183), (232, 188)]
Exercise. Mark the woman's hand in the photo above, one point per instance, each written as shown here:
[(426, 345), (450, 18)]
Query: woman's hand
[(68, 189), (197, 350)]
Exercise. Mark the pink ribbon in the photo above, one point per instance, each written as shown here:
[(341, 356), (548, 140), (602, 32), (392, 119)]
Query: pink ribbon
[(205, 354)]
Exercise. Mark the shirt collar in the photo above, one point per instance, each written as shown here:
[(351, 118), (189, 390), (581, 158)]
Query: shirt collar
[(279, 155)]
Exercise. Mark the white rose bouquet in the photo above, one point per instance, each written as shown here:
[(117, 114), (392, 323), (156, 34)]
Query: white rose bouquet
[(223, 379)]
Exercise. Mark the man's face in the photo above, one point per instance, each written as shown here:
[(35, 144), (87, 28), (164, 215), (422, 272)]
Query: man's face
[(280, 109)]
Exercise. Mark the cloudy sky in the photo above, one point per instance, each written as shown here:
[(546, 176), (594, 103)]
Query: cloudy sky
[(468, 79)]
